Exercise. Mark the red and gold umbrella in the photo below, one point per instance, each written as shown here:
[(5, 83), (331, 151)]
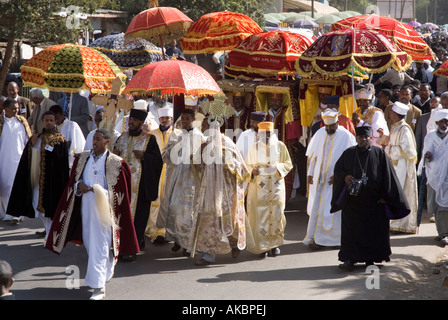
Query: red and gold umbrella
[(269, 53), (403, 35), (442, 70), (71, 68), (159, 25), (334, 53), (218, 31), (172, 77)]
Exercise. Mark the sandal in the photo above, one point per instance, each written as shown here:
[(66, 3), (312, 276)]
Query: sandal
[(202, 262)]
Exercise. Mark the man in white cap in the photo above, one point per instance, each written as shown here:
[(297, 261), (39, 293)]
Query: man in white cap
[(162, 135), (413, 114), (325, 148), (435, 153), (140, 151), (368, 115), (402, 151)]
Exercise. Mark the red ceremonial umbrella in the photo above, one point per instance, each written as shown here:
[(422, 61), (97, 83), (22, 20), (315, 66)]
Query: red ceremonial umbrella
[(335, 53), (442, 70), (218, 31), (171, 77), (403, 35), (269, 53), (159, 25)]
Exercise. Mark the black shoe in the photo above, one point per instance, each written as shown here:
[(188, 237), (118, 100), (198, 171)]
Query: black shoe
[(127, 257), (263, 255), (175, 248), (160, 240), (275, 252), (41, 234), (142, 245), (347, 265), (185, 253)]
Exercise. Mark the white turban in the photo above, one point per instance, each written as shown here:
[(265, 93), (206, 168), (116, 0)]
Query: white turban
[(400, 108)]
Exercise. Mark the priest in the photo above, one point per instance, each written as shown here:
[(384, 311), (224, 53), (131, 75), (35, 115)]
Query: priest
[(94, 210), (182, 154), (325, 148), (402, 152), (41, 175), (368, 192), (141, 152), (250, 136), (268, 163), (162, 135)]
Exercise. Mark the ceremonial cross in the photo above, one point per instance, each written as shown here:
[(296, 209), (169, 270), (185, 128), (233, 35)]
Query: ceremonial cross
[(113, 101)]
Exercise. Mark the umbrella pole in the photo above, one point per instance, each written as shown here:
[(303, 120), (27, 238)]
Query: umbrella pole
[(353, 88), (161, 45), (69, 115)]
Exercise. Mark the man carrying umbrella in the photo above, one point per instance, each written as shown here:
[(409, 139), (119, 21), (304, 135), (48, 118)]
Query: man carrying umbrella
[(435, 153), (141, 152)]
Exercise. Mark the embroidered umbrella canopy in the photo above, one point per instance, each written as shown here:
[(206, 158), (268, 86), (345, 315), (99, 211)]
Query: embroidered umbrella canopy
[(269, 53), (159, 25), (172, 77), (218, 31), (403, 35), (71, 68), (442, 70), (335, 53), (130, 55)]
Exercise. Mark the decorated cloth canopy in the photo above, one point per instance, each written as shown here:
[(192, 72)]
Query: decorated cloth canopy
[(269, 53), (130, 55), (71, 68), (218, 31), (158, 25), (333, 54), (171, 77), (403, 35), (442, 70)]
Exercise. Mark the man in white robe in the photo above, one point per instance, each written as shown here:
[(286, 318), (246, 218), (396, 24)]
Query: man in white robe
[(94, 210), (99, 115), (435, 152), (325, 148), (402, 151), (248, 137), (14, 134), (367, 115), (72, 133)]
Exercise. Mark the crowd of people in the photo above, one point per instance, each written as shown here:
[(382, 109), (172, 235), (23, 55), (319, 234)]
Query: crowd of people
[(165, 170)]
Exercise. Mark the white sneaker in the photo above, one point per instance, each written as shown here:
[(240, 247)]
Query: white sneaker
[(444, 241), (432, 219), (98, 294)]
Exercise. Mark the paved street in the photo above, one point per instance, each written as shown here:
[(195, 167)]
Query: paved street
[(298, 273)]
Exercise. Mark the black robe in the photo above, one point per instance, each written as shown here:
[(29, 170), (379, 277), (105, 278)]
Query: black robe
[(365, 224), (53, 179)]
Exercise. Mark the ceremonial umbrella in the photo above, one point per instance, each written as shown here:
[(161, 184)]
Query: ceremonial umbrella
[(442, 70), (71, 68), (415, 24), (170, 77), (335, 53), (403, 35), (130, 55), (304, 23), (269, 53), (218, 31), (159, 25), (328, 18)]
